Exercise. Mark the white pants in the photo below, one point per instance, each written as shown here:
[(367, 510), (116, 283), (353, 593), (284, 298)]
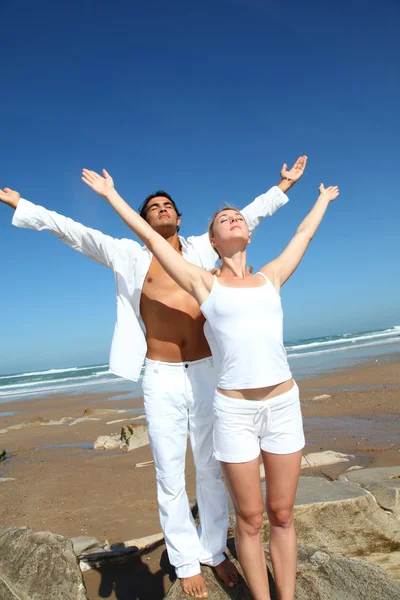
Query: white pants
[(178, 396)]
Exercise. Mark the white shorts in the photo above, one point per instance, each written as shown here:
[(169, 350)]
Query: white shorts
[(241, 427)]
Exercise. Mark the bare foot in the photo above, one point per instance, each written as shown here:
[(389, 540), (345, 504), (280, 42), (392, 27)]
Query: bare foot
[(194, 586), (227, 572)]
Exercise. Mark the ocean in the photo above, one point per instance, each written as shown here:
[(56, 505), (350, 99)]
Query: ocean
[(307, 358)]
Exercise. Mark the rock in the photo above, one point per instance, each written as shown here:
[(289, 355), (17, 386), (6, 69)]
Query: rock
[(383, 483), (321, 575), (60, 422), (143, 543), (3, 455), (84, 544), (37, 422), (320, 459), (135, 436), (389, 561), (353, 468), (31, 423), (107, 442), (83, 419), (38, 566), (143, 464), (99, 443), (216, 589), (339, 516), (140, 417), (113, 442), (98, 412)]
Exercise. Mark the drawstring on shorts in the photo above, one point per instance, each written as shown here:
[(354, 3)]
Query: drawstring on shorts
[(267, 418)]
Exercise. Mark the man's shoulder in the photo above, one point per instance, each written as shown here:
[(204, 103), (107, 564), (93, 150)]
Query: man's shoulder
[(126, 246)]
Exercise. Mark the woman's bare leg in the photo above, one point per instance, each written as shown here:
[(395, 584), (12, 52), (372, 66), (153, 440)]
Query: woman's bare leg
[(282, 473), (243, 480)]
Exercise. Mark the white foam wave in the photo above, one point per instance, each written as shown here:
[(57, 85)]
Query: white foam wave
[(50, 372), (393, 332), (63, 380), (381, 343), (48, 389)]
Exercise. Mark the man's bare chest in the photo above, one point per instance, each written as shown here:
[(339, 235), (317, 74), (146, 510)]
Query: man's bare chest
[(161, 288)]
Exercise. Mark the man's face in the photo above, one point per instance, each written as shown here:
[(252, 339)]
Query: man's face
[(161, 215)]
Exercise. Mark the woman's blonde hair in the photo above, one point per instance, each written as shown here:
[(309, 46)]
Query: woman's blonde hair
[(217, 270)]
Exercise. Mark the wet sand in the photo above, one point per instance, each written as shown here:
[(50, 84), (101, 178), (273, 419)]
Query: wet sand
[(63, 485)]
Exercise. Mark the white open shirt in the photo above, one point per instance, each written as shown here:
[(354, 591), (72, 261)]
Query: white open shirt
[(130, 262)]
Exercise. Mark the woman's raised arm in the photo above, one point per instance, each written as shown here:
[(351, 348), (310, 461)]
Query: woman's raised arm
[(281, 268), (194, 280)]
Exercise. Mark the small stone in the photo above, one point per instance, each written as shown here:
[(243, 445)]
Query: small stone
[(83, 544), (319, 558), (143, 464)]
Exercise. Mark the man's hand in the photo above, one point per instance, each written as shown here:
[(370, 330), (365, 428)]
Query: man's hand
[(296, 171), (101, 185), (10, 197), (330, 193)]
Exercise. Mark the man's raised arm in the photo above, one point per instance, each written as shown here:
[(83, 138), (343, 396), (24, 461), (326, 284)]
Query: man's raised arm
[(90, 242), (267, 204)]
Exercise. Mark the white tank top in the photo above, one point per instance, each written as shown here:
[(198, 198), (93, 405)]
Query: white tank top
[(244, 329)]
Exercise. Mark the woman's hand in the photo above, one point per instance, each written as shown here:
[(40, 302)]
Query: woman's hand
[(330, 193), (10, 197), (101, 185)]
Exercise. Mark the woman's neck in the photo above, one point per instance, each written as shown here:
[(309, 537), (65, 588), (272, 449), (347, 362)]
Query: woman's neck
[(235, 266)]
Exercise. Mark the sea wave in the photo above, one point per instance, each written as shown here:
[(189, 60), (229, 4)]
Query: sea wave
[(52, 388), (387, 333), (343, 348), (78, 380), (50, 372)]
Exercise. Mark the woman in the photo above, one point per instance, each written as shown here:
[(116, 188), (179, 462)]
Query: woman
[(257, 402)]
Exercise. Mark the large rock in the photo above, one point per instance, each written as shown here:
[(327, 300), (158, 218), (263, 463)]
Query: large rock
[(321, 459), (38, 566), (390, 561), (318, 459), (339, 516), (383, 483), (108, 442), (216, 590), (135, 436), (321, 575)]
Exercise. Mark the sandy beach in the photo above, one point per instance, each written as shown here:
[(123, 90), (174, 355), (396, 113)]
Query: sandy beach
[(62, 485)]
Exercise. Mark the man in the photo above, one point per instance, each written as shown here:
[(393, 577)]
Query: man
[(156, 319)]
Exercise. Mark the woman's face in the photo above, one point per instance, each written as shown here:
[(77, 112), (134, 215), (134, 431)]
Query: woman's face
[(229, 227)]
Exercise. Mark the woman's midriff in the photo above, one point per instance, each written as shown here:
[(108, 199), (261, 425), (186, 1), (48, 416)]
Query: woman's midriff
[(265, 393)]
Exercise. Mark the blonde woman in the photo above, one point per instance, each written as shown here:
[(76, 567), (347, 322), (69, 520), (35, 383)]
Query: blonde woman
[(256, 406)]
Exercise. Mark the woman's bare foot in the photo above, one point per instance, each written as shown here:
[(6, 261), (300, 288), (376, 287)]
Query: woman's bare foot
[(227, 572), (194, 586)]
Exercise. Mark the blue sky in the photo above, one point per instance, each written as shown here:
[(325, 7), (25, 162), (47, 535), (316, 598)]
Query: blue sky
[(205, 100)]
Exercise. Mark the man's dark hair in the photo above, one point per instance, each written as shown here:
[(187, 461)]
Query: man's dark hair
[(143, 206)]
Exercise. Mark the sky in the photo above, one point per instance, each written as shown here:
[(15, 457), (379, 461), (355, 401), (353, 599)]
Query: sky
[(207, 101)]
